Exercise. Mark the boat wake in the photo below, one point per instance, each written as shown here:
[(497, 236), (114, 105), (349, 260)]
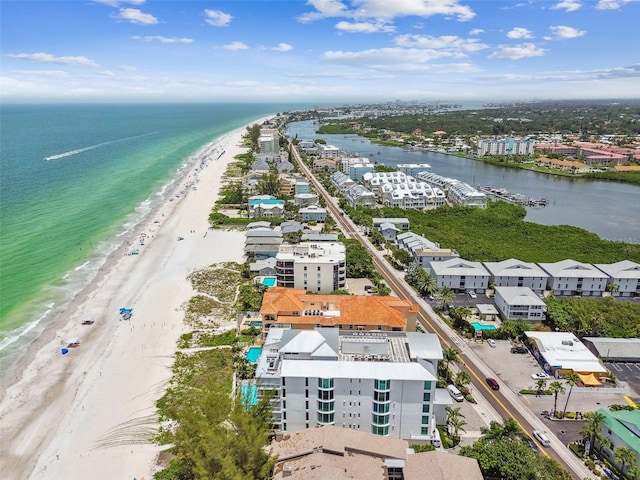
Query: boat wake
[(80, 150)]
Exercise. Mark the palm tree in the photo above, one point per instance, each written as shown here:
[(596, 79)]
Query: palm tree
[(458, 426), (426, 283), (509, 428), (624, 455), (572, 379), (556, 388), (592, 430), (444, 297), (541, 384), (463, 378), (449, 355)]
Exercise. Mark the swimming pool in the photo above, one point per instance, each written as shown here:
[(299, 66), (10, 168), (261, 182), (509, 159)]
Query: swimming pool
[(269, 281), (255, 323), (249, 392), (479, 326), (253, 354)]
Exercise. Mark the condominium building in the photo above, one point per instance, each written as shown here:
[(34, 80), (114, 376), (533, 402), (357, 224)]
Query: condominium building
[(413, 169), (375, 180), (624, 278), (315, 267), (508, 146), (460, 275), (520, 303), (569, 277), (378, 382), (515, 273), (356, 167), (268, 142)]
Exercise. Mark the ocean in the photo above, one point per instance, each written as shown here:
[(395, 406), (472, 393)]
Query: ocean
[(74, 180)]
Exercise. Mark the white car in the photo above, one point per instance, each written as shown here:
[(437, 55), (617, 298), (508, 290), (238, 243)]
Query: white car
[(540, 376), (492, 343), (472, 294)]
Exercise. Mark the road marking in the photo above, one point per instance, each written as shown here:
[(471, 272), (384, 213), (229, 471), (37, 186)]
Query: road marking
[(630, 402), (526, 400)]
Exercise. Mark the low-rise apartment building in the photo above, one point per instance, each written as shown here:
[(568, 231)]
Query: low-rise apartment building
[(460, 275), (520, 303), (569, 277), (515, 273), (624, 278)]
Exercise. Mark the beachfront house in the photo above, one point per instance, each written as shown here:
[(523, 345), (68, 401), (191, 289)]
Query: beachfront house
[(378, 382), (313, 213), (266, 206)]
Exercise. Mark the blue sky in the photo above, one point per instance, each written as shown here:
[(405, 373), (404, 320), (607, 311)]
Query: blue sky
[(318, 50)]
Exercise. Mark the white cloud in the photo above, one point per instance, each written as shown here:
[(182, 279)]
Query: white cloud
[(387, 10), (476, 31), (564, 32), (217, 18), (43, 57), (519, 32), (282, 47), (568, 5), (516, 52), (42, 73), (364, 27), (157, 38), (612, 4), (133, 15), (235, 46), (446, 42), (128, 68)]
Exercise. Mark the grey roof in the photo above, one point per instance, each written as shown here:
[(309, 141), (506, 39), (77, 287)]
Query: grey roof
[(285, 166), (424, 345), (290, 227), (263, 240), (388, 226), (378, 220), (262, 232), (261, 224), (627, 348), (260, 165), (319, 237), (260, 264)]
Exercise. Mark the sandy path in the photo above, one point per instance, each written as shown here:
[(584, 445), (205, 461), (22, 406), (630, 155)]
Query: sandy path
[(89, 414)]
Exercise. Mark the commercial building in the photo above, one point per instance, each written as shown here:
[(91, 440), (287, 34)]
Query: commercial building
[(315, 267), (377, 382), (562, 353)]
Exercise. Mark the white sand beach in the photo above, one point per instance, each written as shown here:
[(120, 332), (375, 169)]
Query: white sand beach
[(88, 414)]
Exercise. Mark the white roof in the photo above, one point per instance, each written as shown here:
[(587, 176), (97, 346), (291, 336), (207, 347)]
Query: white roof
[(572, 269), (349, 369), (514, 268), (563, 350), (458, 267), (519, 296), (623, 269)]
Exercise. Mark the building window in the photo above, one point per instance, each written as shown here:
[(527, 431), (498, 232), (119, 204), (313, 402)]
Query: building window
[(426, 397), (427, 385), (425, 408), (425, 420)]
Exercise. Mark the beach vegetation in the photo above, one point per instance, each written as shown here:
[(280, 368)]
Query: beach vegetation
[(217, 435)]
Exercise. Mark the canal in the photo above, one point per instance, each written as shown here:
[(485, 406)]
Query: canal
[(609, 209)]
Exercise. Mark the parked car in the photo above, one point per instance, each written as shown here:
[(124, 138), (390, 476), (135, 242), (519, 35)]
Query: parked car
[(519, 349), (472, 294), (540, 376), (493, 383), (491, 342), (542, 438), (455, 393)]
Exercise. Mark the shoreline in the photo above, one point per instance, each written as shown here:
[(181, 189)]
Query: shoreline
[(91, 413)]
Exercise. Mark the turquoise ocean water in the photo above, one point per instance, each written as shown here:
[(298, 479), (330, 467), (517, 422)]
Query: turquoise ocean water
[(74, 179)]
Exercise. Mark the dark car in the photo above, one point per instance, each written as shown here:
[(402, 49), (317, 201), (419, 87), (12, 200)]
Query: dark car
[(533, 445), (519, 350), (493, 383)]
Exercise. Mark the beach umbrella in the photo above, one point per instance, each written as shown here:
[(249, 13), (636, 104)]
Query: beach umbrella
[(65, 351)]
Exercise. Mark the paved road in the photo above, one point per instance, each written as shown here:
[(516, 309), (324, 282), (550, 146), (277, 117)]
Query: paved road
[(505, 402)]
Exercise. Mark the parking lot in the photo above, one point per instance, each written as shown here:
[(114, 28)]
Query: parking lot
[(514, 371)]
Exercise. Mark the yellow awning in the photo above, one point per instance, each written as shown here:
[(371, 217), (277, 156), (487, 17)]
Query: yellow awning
[(589, 379)]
